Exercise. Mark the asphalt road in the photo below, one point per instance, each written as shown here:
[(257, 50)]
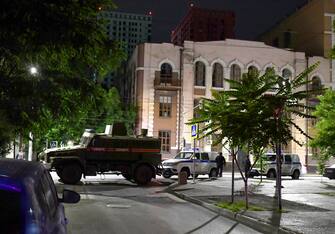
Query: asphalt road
[(114, 205)]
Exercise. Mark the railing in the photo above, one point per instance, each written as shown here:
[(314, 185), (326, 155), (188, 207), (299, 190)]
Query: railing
[(164, 81)]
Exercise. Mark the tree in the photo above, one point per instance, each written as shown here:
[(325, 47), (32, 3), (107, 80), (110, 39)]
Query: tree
[(67, 42), (325, 128), (247, 114)]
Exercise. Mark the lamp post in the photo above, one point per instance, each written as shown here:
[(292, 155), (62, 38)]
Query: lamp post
[(34, 72)]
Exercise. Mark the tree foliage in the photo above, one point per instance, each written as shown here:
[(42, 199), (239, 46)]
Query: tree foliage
[(67, 42), (325, 128)]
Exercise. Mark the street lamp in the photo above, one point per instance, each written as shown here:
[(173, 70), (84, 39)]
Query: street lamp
[(33, 70)]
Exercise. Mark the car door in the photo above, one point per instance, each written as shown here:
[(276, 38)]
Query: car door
[(56, 221), (197, 162), (204, 163), (287, 165)]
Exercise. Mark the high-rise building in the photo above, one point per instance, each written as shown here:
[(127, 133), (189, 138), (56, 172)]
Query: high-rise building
[(129, 29), (204, 25)]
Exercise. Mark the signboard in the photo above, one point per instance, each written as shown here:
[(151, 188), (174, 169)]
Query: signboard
[(53, 144), (194, 130)]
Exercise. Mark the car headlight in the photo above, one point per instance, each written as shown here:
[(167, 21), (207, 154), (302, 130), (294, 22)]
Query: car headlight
[(168, 164)]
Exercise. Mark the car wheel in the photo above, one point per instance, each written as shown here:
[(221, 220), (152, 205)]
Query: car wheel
[(167, 174), (296, 175), (271, 174), (127, 176), (143, 174), (71, 173), (212, 173), (185, 169)]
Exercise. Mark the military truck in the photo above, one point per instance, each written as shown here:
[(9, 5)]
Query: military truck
[(137, 158)]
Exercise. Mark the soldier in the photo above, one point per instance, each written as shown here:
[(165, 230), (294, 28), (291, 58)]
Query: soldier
[(220, 162)]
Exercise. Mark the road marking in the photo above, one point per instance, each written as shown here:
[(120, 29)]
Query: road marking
[(118, 206)]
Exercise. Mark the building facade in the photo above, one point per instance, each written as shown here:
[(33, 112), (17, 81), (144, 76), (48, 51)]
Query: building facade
[(129, 29), (204, 25), (308, 29), (169, 81)]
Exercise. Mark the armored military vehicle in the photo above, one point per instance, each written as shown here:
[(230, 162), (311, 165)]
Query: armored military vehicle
[(136, 158)]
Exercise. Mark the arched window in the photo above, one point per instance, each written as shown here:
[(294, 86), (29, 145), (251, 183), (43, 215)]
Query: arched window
[(287, 74), (235, 72), (200, 74), (316, 83), (217, 78), (269, 69), (252, 69), (166, 73)]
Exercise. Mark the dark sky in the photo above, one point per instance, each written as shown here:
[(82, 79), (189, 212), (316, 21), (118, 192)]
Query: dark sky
[(252, 16)]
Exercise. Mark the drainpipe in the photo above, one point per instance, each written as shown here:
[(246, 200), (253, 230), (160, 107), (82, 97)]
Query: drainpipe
[(307, 120), (181, 50)]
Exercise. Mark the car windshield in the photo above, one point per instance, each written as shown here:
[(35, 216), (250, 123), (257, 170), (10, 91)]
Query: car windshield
[(184, 155), (84, 140), (10, 218)]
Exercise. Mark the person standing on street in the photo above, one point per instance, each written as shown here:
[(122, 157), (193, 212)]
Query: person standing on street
[(220, 162)]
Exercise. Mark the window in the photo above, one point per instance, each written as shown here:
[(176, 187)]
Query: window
[(200, 74), (166, 73), (217, 78), (196, 105), (316, 83), (252, 69), (287, 39), (165, 137), (235, 72), (165, 106), (287, 74), (288, 159), (50, 196)]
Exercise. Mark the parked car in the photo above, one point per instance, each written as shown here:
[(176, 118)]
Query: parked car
[(29, 201), (291, 166), (204, 163), (330, 172)]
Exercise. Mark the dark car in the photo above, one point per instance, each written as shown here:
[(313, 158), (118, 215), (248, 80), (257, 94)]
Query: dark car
[(28, 199), (330, 172)]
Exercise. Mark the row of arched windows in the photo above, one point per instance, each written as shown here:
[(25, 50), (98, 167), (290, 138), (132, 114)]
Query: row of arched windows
[(218, 74)]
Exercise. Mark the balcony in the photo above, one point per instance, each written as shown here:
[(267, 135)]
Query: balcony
[(166, 82)]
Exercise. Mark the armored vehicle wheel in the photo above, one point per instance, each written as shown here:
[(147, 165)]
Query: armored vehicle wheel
[(167, 174), (127, 176), (296, 175), (143, 174), (271, 174), (71, 173), (212, 173)]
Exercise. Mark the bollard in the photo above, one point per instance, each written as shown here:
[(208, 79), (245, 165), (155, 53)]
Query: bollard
[(182, 177)]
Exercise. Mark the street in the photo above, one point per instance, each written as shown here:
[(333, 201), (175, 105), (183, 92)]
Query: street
[(114, 205)]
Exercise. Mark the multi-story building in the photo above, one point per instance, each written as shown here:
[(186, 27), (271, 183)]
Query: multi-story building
[(204, 25), (308, 29), (129, 29), (169, 81)]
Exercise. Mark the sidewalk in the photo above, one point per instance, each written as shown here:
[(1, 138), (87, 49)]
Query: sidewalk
[(308, 203)]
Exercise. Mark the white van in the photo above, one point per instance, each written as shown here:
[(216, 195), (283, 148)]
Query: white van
[(204, 163)]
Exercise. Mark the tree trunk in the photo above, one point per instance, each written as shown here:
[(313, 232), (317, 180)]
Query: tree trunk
[(232, 176)]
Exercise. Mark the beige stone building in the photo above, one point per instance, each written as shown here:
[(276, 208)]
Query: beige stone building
[(168, 81), (308, 29)]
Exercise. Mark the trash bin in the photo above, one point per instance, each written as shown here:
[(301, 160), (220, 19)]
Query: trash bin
[(182, 177)]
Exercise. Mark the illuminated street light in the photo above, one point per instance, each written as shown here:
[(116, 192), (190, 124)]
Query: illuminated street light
[(33, 70)]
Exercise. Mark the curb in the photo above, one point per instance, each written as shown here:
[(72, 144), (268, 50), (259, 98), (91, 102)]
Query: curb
[(256, 224)]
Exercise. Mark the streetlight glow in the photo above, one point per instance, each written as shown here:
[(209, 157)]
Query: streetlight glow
[(33, 70)]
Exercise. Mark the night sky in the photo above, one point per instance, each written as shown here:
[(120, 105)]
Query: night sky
[(252, 16)]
